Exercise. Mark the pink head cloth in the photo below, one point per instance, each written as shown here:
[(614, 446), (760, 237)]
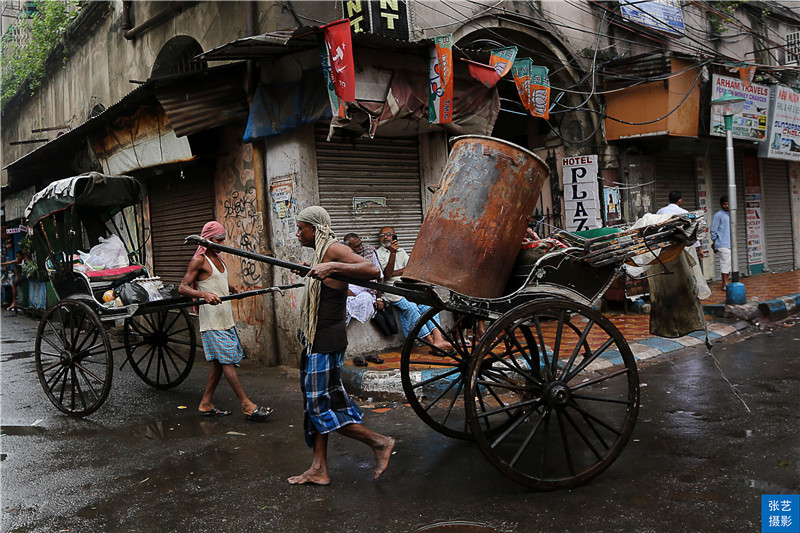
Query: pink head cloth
[(211, 229)]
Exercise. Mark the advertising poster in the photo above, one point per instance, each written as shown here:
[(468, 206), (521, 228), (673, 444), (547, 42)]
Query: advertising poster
[(581, 206), (753, 216), (751, 124), (784, 132)]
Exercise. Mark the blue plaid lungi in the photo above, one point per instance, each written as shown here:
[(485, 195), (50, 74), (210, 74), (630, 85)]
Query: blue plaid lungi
[(223, 346), (409, 313), (327, 406)]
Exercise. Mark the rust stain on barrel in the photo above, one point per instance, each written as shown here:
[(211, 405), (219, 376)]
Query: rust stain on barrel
[(476, 221)]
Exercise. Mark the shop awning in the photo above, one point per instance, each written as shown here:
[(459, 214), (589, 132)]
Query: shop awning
[(193, 101)]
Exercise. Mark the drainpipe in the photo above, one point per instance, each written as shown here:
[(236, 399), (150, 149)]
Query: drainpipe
[(131, 33)]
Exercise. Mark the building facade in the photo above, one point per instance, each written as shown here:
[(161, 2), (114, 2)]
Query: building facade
[(221, 110)]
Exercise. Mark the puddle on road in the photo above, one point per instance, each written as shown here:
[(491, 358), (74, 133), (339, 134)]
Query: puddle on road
[(21, 431), (172, 430), (18, 355), (457, 526)]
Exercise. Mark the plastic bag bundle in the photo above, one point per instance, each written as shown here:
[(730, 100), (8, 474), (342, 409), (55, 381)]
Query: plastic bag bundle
[(111, 252), (152, 286), (132, 293)]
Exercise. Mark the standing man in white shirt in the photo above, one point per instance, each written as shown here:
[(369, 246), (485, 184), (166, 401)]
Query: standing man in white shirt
[(674, 208)]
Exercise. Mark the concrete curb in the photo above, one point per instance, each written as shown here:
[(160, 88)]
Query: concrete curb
[(780, 308)]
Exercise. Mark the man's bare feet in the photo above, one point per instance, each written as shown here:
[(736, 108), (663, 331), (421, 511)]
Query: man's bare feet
[(382, 455), (312, 477)]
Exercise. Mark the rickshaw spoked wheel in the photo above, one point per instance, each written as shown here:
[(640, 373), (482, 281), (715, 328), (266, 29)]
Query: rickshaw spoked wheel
[(73, 358), (161, 347), (433, 379), (573, 411)]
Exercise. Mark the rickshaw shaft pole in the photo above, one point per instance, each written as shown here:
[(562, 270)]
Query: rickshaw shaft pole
[(416, 296), (237, 296)]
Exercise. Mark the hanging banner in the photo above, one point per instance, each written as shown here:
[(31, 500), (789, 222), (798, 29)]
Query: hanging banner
[(337, 106), (502, 59), (751, 124), (746, 73), (579, 176), (440, 98), (784, 130), (486, 74), (533, 86), (340, 50)]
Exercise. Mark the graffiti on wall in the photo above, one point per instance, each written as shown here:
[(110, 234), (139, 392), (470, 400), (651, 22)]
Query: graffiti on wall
[(243, 222)]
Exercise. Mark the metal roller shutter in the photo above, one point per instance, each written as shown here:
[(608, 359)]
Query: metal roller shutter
[(719, 187), (178, 207), (351, 168), (676, 172), (777, 215)]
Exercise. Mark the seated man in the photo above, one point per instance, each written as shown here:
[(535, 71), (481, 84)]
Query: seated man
[(393, 260), (362, 302)]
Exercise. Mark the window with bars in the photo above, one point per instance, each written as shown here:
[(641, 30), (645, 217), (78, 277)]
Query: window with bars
[(793, 48)]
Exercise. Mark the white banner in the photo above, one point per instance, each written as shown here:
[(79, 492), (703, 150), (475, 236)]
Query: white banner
[(581, 206), (751, 124), (784, 126)]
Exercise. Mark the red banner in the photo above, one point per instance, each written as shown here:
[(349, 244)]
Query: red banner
[(485, 74), (340, 50)]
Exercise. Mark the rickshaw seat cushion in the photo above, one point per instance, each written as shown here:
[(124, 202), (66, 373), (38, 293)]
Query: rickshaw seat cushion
[(115, 274)]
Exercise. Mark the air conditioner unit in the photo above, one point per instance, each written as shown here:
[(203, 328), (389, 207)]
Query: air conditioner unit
[(792, 49)]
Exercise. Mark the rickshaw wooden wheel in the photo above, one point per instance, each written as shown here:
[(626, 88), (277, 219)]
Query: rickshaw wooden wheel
[(433, 379), (573, 411), (161, 347), (73, 358)]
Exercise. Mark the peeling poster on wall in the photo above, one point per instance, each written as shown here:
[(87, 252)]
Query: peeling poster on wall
[(282, 192)]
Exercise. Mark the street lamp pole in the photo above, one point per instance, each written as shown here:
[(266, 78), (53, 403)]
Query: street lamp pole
[(732, 198), (728, 106)]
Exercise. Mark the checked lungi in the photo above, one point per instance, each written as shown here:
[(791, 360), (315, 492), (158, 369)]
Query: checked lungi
[(222, 345), (327, 405)]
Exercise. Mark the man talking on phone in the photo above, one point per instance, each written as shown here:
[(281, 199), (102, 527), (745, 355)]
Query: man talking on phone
[(393, 260)]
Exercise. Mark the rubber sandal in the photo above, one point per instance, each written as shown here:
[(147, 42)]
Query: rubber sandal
[(359, 361), (259, 414), (214, 411), (374, 359)]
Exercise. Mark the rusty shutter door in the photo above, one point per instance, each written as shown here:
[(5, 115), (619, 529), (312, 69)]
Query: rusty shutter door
[(675, 172), (777, 212), (719, 186), (386, 168), (178, 207)]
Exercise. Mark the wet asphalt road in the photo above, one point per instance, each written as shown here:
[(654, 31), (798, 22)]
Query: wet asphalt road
[(699, 459)]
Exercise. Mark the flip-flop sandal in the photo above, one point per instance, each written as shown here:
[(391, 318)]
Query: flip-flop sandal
[(359, 361), (374, 359), (259, 414), (214, 411), (442, 353)]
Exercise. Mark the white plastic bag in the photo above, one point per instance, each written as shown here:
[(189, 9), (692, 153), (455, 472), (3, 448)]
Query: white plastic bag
[(90, 262), (111, 252)]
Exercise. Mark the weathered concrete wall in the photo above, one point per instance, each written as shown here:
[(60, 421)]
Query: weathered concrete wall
[(292, 185), (237, 208)]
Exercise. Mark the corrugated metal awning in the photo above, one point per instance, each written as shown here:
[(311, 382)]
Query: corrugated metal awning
[(194, 101), (205, 99)]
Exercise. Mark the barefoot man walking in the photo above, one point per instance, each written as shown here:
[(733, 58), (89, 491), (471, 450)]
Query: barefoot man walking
[(324, 336)]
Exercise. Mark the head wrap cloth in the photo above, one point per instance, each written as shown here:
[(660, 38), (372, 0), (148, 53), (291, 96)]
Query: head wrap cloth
[(210, 230), (323, 238)]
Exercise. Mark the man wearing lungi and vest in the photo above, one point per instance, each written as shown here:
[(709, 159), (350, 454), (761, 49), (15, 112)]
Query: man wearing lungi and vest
[(209, 274), (324, 336)]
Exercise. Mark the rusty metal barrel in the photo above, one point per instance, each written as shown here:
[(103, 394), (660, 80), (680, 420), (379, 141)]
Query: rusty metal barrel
[(472, 232)]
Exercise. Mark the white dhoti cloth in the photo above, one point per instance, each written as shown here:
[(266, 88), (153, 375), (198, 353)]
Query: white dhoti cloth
[(361, 307)]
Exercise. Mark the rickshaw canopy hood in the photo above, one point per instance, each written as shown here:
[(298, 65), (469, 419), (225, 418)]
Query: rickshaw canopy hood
[(87, 190)]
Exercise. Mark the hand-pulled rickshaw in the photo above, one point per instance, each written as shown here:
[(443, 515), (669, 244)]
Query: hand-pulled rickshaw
[(525, 378), (544, 384), (73, 351)]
